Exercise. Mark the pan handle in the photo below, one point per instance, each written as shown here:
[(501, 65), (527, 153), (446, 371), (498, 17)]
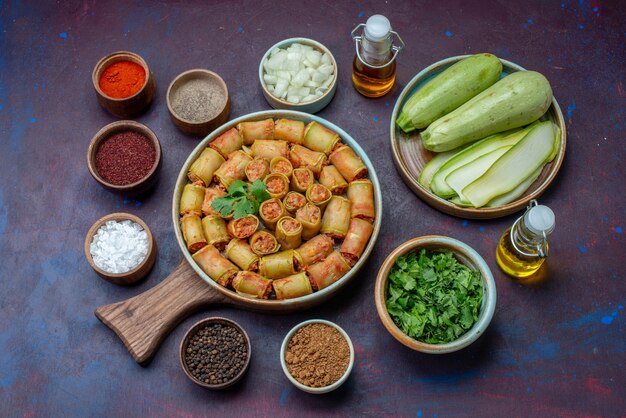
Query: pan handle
[(143, 322)]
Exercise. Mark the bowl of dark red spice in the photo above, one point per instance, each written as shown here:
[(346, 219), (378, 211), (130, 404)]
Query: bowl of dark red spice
[(198, 101), (120, 248), (124, 84), (317, 356), (125, 157), (215, 353)]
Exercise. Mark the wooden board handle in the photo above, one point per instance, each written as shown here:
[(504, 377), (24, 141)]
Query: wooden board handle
[(143, 322)]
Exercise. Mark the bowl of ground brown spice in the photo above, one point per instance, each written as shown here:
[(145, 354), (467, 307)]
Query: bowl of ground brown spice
[(317, 356), (125, 157)]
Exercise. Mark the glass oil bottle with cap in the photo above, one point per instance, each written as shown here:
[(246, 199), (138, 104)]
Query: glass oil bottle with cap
[(524, 247), (374, 66)]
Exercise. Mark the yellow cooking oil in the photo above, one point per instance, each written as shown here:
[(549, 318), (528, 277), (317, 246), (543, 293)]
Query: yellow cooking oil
[(523, 248), (374, 65), (513, 263)]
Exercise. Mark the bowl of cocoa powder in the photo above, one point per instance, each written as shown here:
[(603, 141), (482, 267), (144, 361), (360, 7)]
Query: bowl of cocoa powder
[(125, 157), (317, 356)]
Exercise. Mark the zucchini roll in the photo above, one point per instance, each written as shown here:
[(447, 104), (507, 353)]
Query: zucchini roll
[(301, 179), (210, 194), (281, 165), (289, 130), (315, 249), (243, 227), (361, 194), (294, 201), (217, 267), (327, 272), (269, 148), (262, 129), (310, 216), (292, 286), (277, 185), (252, 285), (191, 199), (356, 239), (289, 233), (319, 138), (238, 251), (348, 163), (319, 195), (271, 211), (303, 157), (257, 169), (279, 265), (336, 219), (191, 226), (227, 142), (333, 180), (214, 228), (205, 166), (233, 169), (263, 243)]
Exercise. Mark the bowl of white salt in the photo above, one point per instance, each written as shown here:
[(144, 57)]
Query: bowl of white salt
[(298, 74), (198, 101), (120, 248)]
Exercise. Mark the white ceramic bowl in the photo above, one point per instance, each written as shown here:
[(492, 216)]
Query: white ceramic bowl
[(312, 106), (325, 389)]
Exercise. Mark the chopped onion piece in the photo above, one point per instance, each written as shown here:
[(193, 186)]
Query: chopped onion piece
[(298, 73)]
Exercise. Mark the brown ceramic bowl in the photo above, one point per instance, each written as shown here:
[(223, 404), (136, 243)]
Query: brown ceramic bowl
[(464, 255), (132, 276), (204, 127), (129, 106), (139, 186), (410, 156), (192, 331)]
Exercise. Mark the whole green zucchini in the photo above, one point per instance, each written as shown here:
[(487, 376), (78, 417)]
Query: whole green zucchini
[(514, 101), (449, 90)]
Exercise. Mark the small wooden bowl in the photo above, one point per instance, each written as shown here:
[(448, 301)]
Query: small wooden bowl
[(129, 106), (123, 126), (464, 255), (192, 331), (132, 276), (204, 127), (312, 106)]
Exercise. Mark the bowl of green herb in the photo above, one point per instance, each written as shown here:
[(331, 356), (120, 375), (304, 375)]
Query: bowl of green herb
[(435, 294)]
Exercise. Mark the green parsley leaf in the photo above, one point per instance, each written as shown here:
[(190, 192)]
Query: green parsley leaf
[(242, 208), (224, 205), (238, 188), (259, 191), (432, 297)]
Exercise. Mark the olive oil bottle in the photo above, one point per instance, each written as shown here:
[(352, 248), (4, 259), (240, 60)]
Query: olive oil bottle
[(374, 65), (523, 247)]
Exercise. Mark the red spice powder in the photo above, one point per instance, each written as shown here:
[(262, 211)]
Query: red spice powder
[(125, 158), (122, 79)]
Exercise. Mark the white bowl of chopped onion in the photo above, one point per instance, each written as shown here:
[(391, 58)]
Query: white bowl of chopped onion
[(298, 74)]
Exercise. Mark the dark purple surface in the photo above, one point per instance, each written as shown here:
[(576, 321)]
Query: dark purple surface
[(553, 349)]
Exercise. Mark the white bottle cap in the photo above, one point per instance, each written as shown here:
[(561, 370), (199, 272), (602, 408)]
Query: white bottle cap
[(540, 218), (377, 28)]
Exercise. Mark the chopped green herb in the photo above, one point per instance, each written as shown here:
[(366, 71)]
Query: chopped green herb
[(432, 297), (242, 199)]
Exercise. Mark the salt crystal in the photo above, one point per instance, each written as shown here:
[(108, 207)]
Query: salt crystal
[(118, 247)]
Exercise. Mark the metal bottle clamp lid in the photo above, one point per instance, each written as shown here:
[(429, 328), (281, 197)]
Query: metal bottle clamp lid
[(376, 29), (540, 221)]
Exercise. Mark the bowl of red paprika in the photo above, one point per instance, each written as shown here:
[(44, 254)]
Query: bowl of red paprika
[(125, 157), (124, 84)]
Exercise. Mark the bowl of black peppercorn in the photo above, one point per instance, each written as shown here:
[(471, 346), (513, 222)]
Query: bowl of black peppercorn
[(215, 353)]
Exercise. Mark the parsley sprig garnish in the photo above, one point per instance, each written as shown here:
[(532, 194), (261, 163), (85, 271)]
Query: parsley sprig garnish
[(242, 199)]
